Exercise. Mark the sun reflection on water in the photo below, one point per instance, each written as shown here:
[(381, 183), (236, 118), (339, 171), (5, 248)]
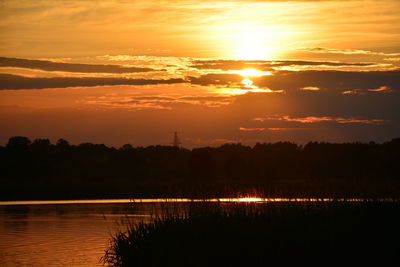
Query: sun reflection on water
[(166, 200)]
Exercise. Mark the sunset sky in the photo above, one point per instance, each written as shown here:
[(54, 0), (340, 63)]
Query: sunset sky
[(124, 71)]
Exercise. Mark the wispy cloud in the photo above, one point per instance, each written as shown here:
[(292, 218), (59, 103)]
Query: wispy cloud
[(353, 92), (252, 129), (395, 59), (124, 103), (310, 88), (42, 26), (318, 119), (274, 129), (384, 89), (380, 89), (209, 101), (155, 101), (347, 51), (268, 65)]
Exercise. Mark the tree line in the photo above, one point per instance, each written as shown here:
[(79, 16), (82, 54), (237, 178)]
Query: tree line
[(39, 169)]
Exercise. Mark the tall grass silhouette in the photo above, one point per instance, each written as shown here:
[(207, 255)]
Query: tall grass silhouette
[(280, 234)]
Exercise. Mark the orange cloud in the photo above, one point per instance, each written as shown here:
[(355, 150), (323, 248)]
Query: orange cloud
[(395, 59), (347, 51), (155, 101), (310, 88), (274, 129), (281, 129), (352, 92), (381, 89), (244, 129), (316, 119)]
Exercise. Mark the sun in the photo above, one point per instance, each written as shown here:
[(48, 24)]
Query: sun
[(247, 82), (248, 73), (253, 46)]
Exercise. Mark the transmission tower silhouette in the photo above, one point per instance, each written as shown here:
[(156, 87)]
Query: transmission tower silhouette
[(176, 142)]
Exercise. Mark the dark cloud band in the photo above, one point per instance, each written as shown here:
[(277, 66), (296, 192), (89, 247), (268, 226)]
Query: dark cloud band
[(267, 64), (8, 81), (291, 81), (67, 67), (371, 82)]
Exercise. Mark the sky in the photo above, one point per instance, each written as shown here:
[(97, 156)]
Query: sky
[(124, 71)]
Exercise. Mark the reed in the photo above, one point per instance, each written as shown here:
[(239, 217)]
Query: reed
[(215, 234)]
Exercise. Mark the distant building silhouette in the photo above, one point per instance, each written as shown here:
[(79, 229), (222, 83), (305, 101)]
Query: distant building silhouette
[(176, 141)]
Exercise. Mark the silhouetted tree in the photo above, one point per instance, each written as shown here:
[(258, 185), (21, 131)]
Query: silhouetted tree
[(41, 144), (62, 143), (127, 147), (18, 142), (201, 165)]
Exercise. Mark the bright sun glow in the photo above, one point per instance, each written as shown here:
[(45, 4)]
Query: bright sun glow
[(252, 47), (247, 82), (247, 38), (250, 199), (251, 72), (242, 199)]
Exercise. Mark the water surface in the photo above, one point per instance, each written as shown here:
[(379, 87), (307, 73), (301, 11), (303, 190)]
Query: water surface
[(59, 234), (77, 232)]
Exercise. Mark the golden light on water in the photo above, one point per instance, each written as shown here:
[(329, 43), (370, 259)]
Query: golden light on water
[(188, 200), (250, 199)]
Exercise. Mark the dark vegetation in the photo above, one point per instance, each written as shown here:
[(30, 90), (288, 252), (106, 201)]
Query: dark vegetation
[(41, 170), (280, 234)]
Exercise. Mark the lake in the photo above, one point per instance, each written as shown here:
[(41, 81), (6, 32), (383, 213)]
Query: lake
[(62, 234), (76, 232)]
